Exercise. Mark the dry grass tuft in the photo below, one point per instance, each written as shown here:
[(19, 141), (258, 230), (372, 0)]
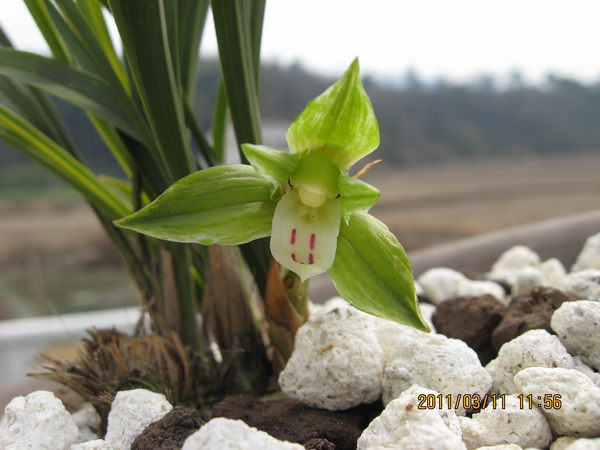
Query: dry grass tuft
[(111, 361)]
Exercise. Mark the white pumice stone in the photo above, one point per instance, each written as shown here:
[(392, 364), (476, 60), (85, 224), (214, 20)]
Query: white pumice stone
[(578, 413), (515, 258), (502, 447), (535, 348), (222, 433), (589, 258), (582, 367), (526, 279), (440, 284), (130, 413), (584, 444), (38, 421), (96, 444), (514, 267), (562, 442), (506, 423), (577, 324), (85, 418), (403, 425), (584, 283), (391, 335), (476, 288), (554, 271), (337, 362), (434, 361)]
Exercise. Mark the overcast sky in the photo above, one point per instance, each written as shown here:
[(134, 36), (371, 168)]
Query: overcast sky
[(456, 39)]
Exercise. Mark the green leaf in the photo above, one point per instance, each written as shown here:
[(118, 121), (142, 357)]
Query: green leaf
[(227, 205), (340, 123), (26, 138), (237, 53), (357, 196), (42, 18), (275, 165), (142, 29), (372, 271), (191, 20), (80, 88), (220, 121)]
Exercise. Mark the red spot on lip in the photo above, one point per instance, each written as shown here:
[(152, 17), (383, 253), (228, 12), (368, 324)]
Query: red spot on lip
[(313, 237), (294, 257), (293, 238), (310, 258)]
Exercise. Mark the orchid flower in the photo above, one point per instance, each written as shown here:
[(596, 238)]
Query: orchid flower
[(315, 213)]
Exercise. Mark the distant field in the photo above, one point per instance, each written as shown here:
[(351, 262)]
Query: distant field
[(430, 205), (52, 250)]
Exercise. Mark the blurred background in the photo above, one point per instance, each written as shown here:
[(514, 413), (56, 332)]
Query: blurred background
[(489, 114)]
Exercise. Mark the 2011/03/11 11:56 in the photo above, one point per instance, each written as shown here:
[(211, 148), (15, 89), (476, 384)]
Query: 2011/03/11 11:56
[(477, 401)]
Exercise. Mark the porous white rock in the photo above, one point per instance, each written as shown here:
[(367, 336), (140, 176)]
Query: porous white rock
[(534, 348), (38, 421), (502, 447), (86, 418), (526, 279), (96, 444), (580, 366), (521, 268), (441, 283), (554, 271), (436, 362), (578, 412), (585, 284), (390, 335), (222, 433), (403, 425), (506, 422), (516, 257), (584, 444), (131, 412), (577, 325), (337, 362), (562, 442), (589, 257)]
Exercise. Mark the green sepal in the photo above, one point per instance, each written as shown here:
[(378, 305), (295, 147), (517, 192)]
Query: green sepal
[(340, 123), (226, 205), (357, 196), (372, 271), (273, 164)]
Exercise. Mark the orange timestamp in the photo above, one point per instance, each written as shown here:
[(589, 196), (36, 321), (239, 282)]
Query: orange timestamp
[(477, 401)]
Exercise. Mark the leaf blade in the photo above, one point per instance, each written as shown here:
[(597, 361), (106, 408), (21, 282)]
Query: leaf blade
[(80, 88), (372, 271), (227, 205)]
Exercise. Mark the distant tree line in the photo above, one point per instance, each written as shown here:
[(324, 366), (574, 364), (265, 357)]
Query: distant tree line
[(419, 122)]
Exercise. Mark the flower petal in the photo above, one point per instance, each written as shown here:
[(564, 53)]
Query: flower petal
[(303, 239), (339, 123)]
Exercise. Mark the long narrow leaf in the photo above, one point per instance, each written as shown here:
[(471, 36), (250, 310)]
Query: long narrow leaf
[(142, 29), (219, 124), (39, 147), (40, 14), (237, 63), (92, 12), (191, 20), (35, 106), (80, 88)]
